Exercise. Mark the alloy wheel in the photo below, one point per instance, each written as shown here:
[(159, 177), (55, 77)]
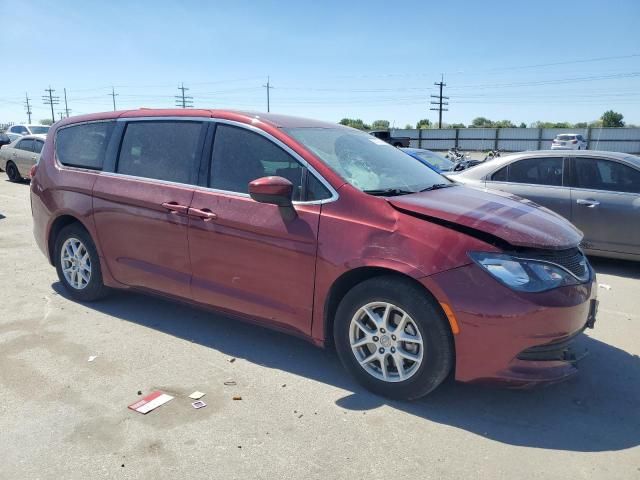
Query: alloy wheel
[(76, 263)]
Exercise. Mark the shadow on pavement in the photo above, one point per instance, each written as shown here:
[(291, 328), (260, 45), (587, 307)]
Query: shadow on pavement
[(620, 268), (596, 411)]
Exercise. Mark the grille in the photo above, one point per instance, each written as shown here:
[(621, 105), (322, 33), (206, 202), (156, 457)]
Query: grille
[(572, 259)]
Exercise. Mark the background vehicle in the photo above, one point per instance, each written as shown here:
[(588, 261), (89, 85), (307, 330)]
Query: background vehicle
[(599, 192), (4, 139), (319, 230), (569, 141), (17, 158), (16, 131), (386, 136), (491, 154), (430, 159)]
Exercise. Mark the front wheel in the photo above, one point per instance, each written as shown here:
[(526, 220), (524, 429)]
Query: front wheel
[(13, 173), (78, 265), (393, 338)]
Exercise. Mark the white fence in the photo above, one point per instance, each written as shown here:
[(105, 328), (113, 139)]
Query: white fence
[(518, 139)]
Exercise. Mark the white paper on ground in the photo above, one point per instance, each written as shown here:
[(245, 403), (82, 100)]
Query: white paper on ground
[(150, 402)]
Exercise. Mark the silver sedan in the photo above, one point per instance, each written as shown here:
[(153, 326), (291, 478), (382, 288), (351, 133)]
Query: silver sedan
[(599, 192), (18, 157)]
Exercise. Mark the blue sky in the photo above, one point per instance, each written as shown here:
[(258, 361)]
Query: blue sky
[(328, 60)]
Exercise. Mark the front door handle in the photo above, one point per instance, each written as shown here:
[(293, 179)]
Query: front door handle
[(175, 207), (203, 213), (587, 202)]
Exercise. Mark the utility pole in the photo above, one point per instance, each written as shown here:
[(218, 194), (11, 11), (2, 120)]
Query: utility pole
[(268, 87), (440, 102), (27, 105), (52, 100), (182, 100), (60, 114), (66, 107), (113, 95)]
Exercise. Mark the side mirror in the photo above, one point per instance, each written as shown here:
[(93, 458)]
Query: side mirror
[(275, 191)]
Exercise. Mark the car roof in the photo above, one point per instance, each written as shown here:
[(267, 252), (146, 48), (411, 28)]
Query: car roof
[(251, 117), (38, 136), (480, 171)]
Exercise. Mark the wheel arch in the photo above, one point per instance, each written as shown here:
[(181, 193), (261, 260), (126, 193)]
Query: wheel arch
[(56, 226)]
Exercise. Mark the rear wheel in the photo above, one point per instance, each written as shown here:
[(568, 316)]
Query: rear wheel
[(393, 338), (13, 173), (78, 265)]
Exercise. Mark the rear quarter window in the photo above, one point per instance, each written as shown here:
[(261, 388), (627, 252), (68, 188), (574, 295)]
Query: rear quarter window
[(83, 145)]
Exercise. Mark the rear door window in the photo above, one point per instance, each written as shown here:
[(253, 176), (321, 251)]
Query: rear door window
[(37, 146), (500, 175), (537, 171), (161, 150), (600, 174), (26, 145), (83, 145)]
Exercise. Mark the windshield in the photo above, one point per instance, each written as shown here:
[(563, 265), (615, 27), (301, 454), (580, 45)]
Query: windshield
[(39, 129), (441, 163), (565, 137), (366, 162)]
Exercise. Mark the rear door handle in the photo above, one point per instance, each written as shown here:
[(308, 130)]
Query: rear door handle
[(203, 213), (587, 202), (175, 208)]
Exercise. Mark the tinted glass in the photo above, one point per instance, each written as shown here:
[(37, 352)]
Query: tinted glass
[(240, 156), (83, 145), (39, 129), (441, 163), (37, 146), (162, 150), (539, 171), (500, 175), (598, 174), (315, 189), (366, 162), (26, 145), (564, 138)]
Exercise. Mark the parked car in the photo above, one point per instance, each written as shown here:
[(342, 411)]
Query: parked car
[(4, 139), (599, 192), (385, 135), (16, 131), (569, 141), (18, 157), (430, 159), (314, 229)]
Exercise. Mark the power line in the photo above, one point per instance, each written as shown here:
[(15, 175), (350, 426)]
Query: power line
[(51, 100), (440, 102), (184, 101), (268, 87), (27, 105)]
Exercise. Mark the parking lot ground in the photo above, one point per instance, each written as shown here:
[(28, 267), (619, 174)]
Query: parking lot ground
[(301, 416)]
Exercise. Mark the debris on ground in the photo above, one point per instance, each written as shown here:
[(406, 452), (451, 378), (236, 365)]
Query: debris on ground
[(231, 360), (237, 397), (197, 395), (92, 358), (139, 392), (301, 415), (605, 286), (230, 382), (198, 404), (284, 385), (151, 402)]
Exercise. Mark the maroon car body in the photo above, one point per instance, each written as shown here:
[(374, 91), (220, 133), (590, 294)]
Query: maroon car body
[(233, 254)]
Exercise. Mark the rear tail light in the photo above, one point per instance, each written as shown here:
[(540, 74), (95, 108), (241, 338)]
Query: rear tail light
[(574, 141), (32, 171)]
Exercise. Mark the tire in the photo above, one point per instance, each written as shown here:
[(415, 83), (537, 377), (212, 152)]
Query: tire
[(13, 173), (76, 285), (424, 321)]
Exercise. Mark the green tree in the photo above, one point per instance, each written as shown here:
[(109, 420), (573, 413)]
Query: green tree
[(408, 126), (424, 123), (355, 123), (481, 122), (523, 125), (380, 125), (612, 119), (456, 125), (504, 124), (46, 121), (580, 125)]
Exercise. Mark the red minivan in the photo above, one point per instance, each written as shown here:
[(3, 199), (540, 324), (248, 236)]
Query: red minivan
[(319, 230)]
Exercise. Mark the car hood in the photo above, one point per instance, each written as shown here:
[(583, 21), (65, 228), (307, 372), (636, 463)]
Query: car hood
[(515, 220)]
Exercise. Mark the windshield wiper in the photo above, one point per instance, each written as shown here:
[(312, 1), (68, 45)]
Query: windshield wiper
[(389, 192), (438, 186)]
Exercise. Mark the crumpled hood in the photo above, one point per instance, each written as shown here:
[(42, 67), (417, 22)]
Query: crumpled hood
[(518, 221)]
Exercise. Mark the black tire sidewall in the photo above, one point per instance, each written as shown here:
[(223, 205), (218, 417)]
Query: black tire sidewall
[(436, 334), (96, 288), (15, 177)]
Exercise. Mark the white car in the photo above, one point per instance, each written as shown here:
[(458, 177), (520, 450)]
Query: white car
[(569, 141), (16, 131), (18, 157)]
